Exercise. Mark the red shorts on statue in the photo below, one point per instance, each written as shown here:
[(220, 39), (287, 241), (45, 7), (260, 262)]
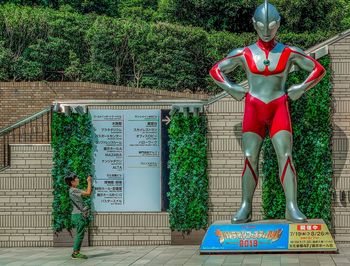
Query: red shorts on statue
[(259, 115)]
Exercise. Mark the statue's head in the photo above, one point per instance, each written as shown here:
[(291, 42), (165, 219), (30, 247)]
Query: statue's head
[(266, 21)]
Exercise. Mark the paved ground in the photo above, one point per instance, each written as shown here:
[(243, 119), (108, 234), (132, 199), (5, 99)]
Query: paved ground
[(162, 255)]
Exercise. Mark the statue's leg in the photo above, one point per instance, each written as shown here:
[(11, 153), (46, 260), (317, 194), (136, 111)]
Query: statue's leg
[(282, 142), (251, 147)]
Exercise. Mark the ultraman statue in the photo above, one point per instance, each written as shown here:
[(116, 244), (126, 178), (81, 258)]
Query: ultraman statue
[(267, 64)]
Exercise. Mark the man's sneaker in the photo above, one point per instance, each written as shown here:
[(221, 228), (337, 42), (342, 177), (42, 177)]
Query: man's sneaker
[(79, 256)]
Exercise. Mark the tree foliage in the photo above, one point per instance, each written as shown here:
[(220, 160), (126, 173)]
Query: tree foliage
[(138, 9), (233, 16), (305, 15), (45, 44)]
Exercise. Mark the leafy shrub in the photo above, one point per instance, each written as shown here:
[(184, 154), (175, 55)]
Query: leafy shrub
[(188, 181), (72, 152)]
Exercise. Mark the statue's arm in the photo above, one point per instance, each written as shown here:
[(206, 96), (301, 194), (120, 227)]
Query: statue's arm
[(225, 66), (308, 64)]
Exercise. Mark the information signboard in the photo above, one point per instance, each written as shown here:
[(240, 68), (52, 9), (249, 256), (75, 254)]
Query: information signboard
[(310, 236), (127, 163)]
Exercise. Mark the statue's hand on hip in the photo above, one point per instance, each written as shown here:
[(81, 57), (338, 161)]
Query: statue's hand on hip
[(237, 91), (295, 92)]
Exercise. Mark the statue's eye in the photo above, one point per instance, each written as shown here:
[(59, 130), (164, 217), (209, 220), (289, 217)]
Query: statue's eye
[(260, 25), (272, 25)]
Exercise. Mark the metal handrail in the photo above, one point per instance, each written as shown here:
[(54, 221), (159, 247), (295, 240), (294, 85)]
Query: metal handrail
[(25, 120), (16, 132)]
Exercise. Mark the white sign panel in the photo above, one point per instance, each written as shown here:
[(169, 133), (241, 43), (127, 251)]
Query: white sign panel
[(127, 161)]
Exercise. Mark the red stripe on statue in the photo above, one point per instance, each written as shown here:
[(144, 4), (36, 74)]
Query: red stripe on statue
[(215, 71), (285, 169), (246, 162), (281, 65), (318, 70), (250, 61)]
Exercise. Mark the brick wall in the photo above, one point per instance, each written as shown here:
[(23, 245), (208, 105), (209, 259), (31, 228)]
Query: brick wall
[(26, 198), (19, 100), (122, 229), (340, 58), (26, 205)]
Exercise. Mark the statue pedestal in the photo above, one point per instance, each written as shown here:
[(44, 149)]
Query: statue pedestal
[(268, 236)]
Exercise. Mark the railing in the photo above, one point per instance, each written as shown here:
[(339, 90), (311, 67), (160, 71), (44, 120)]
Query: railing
[(34, 129)]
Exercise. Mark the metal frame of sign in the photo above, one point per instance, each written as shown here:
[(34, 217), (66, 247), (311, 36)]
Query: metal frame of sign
[(159, 132)]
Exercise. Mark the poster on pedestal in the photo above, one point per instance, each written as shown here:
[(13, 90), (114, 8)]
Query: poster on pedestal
[(268, 236)]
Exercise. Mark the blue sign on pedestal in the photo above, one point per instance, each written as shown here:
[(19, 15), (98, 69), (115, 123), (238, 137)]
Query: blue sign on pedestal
[(268, 236), (241, 237)]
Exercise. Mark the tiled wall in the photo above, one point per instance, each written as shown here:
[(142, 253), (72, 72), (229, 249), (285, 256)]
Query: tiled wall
[(26, 204), (26, 198), (340, 58)]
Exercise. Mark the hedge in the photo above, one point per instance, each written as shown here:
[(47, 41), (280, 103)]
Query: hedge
[(46, 44), (72, 152), (188, 181), (234, 15)]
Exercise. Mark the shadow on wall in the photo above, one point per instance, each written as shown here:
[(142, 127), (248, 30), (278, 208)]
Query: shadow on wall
[(238, 133), (340, 149)]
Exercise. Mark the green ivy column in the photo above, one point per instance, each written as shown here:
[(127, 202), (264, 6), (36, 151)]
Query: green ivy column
[(188, 181), (312, 132), (72, 152)]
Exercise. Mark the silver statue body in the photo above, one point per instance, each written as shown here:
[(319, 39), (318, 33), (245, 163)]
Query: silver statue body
[(267, 65)]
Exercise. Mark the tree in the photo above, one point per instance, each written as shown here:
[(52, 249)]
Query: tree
[(51, 54), (101, 7), (46, 44), (234, 15), (29, 2), (6, 61), (108, 44), (311, 15), (73, 71), (138, 9)]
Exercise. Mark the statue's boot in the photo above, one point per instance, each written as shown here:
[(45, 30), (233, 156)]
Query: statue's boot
[(289, 182), (249, 182), (282, 142)]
